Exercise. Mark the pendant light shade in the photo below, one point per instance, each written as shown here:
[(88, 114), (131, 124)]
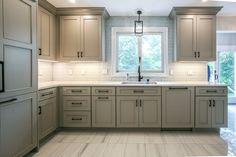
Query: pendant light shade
[(138, 25)]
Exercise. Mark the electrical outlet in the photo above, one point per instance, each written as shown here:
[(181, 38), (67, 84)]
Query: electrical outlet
[(104, 71), (40, 73), (70, 72), (190, 73), (82, 71), (171, 72)]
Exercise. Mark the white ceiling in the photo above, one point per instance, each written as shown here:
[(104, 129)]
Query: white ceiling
[(149, 7)]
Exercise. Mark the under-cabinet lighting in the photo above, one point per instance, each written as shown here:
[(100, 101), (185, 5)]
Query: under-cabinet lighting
[(72, 1), (220, 0)]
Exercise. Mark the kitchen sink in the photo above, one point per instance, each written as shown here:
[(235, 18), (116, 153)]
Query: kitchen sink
[(136, 82)]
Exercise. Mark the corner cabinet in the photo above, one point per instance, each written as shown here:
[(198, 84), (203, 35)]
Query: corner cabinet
[(195, 33), (46, 34), (81, 38), (47, 115), (211, 107)]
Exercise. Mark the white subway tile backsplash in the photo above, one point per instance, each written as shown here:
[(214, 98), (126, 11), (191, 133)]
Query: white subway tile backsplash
[(101, 72), (45, 71)]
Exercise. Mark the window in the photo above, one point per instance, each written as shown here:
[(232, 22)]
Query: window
[(152, 47)]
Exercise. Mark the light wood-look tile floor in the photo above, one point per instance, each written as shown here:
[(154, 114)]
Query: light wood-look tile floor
[(137, 143)]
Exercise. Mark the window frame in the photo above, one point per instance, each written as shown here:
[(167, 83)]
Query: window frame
[(147, 30)]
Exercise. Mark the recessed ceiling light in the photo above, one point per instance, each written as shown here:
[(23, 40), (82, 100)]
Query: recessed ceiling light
[(204, 0), (72, 1)]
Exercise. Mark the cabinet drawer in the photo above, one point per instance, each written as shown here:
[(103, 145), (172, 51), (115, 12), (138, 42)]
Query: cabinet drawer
[(138, 91), (103, 90), (76, 119), (211, 91), (77, 103), (46, 94), (76, 91)]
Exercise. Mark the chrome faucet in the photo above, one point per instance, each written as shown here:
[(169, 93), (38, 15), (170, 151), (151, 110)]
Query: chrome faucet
[(139, 71)]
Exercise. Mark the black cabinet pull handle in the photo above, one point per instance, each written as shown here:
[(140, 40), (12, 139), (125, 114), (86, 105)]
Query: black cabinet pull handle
[(103, 98), (198, 54), (76, 103), (3, 79), (195, 54), (78, 54), (103, 91), (178, 88), (76, 91), (81, 54), (8, 101), (136, 102), (48, 93), (209, 103), (211, 91), (40, 110), (40, 51), (214, 103), (140, 101), (138, 91), (76, 118)]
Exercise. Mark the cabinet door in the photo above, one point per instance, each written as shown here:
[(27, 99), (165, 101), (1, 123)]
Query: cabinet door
[(47, 117), (219, 112), (150, 111), (178, 107), (103, 111), (206, 37), (203, 112), (186, 38), (70, 28), (46, 34), (18, 46), (18, 125), (91, 38), (127, 111)]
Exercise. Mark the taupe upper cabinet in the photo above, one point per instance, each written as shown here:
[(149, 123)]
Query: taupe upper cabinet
[(46, 34), (81, 38), (195, 36), (18, 47)]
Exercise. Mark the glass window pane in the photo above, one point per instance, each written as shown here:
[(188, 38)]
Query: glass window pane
[(152, 52), (127, 53), (227, 70)]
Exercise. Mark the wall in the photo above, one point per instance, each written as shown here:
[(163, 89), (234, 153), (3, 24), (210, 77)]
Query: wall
[(45, 71), (102, 71), (226, 23)]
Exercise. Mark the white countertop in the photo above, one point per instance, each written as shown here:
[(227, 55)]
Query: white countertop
[(52, 84)]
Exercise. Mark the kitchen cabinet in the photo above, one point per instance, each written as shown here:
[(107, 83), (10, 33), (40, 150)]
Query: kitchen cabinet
[(195, 33), (76, 107), (81, 38), (178, 107), (103, 107), (46, 34), (18, 57), (138, 107), (211, 107), (47, 115), (18, 125)]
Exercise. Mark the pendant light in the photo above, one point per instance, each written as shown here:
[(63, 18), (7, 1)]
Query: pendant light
[(138, 25)]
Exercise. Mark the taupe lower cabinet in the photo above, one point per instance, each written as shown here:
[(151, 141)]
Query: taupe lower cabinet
[(18, 125), (46, 34), (135, 110), (211, 107), (81, 38), (47, 115), (178, 107), (103, 107), (76, 106)]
